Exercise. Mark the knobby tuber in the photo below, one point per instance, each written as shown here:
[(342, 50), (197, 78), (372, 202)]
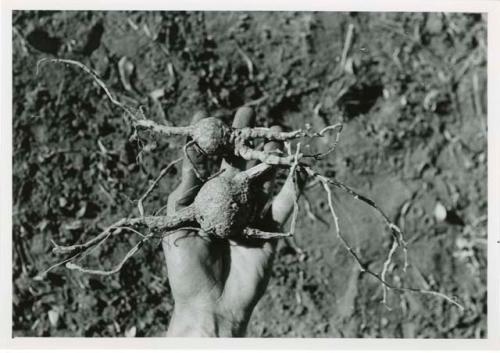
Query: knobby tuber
[(225, 206)]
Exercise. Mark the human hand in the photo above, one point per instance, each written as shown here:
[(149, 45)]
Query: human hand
[(216, 283)]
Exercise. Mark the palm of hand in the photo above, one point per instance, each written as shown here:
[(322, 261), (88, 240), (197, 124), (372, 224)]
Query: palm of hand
[(218, 275)]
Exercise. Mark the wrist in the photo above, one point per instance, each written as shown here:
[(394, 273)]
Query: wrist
[(191, 321)]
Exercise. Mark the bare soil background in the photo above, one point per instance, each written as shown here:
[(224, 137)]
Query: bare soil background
[(409, 87)]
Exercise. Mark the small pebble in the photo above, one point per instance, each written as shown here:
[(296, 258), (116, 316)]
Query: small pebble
[(440, 212)]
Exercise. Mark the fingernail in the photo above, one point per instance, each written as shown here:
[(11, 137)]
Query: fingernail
[(245, 116)]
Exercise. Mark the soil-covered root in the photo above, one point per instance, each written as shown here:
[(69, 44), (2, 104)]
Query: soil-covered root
[(223, 207), (155, 224), (212, 136)]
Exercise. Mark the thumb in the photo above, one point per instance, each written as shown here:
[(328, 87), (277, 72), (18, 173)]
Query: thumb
[(283, 203)]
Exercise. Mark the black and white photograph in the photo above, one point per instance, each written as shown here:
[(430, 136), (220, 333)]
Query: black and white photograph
[(258, 174)]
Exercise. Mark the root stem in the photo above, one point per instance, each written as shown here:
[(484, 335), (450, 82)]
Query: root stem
[(324, 182)]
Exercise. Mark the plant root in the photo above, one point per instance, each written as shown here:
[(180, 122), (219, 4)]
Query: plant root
[(231, 139), (164, 130), (387, 262), (250, 154), (254, 233), (398, 240), (117, 268), (249, 133), (155, 224), (95, 77), (163, 172), (319, 156), (395, 231), (212, 137)]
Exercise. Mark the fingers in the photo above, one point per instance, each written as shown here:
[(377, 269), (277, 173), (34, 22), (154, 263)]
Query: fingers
[(283, 203), (244, 117), (187, 189), (267, 187), (270, 147)]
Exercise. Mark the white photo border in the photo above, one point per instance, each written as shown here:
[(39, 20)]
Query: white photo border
[(492, 8)]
